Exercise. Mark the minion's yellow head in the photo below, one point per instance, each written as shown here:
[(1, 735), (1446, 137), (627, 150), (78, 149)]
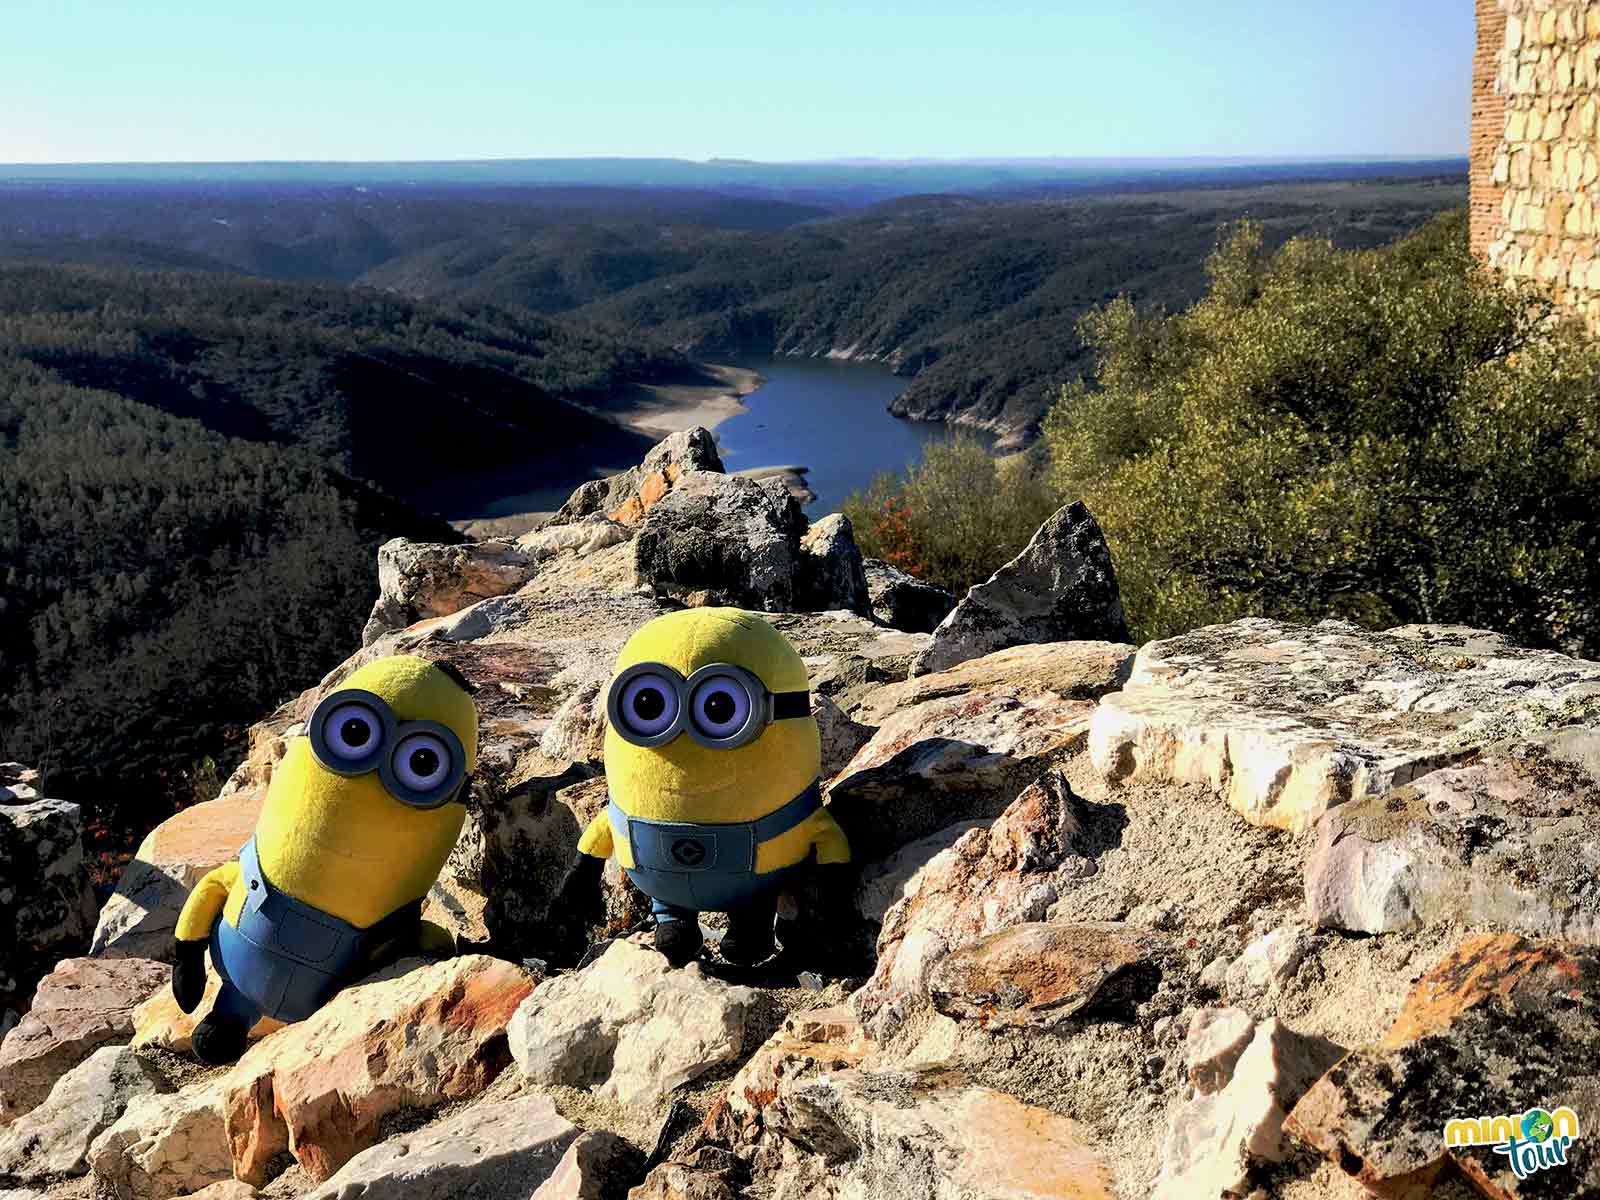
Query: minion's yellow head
[(366, 806), (705, 742)]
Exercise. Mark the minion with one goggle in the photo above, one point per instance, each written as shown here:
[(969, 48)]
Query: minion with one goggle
[(713, 765), (358, 820)]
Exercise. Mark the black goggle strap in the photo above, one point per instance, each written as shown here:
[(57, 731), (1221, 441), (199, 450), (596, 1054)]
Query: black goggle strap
[(788, 705)]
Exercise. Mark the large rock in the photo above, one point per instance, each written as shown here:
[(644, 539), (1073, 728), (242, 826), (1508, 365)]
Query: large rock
[(830, 571), (138, 919), (413, 1037), (53, 1139), (903, 1135), (1505, 841), (903, 601), (960, 745), (164, 1144), (1061, 588), (721, 539), (18, 784), (596, 1166), (418, 580), (990, 879), (47, 903), (79, 1007), (1220, 1136), (1501, 1025), (1041, 975), (630, 1025), (626, 497), (416, 1037), (1289, 721), (821, 1039), (492, 1151)]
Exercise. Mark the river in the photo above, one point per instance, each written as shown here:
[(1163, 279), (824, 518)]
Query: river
[(830, 416)]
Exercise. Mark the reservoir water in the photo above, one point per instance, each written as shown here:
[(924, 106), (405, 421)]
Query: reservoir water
[(832, 417)]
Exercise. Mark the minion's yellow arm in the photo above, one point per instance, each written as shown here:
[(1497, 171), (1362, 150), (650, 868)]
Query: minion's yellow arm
[(205, 902), (832, 846), (596, 839)]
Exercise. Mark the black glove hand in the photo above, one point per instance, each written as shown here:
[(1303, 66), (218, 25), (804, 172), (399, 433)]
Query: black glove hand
[(189, 974)]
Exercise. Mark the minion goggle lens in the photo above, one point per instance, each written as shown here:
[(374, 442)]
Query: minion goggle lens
[(421, 763), (720, 706)]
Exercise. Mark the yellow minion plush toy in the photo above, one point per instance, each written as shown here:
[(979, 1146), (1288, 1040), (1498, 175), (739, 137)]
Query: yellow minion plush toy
[(713, 761), (360, 816)]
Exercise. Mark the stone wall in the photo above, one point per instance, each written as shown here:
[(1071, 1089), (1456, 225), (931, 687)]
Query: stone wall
[(1535, 196)]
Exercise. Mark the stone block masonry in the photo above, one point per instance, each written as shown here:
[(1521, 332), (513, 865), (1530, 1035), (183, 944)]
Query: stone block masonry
[(1535, 157)]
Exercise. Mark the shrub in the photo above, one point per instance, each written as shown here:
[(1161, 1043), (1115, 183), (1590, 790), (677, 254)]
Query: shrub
[(956, 516), (1386, 436)]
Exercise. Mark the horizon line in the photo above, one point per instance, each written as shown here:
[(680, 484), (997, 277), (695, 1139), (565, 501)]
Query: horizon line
[(733, 161)]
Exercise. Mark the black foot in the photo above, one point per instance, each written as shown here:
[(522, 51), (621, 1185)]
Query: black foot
[(680, 941), (219, 1041)]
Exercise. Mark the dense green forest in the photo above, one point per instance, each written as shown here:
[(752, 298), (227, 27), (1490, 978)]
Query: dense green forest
[(163, 585), (401, 393), (1387, 436), (196, 471)]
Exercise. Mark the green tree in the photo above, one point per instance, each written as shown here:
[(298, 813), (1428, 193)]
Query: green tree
[(1387, 436)]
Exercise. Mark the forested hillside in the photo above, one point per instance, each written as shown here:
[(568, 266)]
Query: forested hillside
[(196, 471), (976, 301), (390, 390), (163, 584)]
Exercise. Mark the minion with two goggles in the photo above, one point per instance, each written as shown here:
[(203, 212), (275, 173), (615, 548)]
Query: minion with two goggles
[(358, 820), (713, 764)]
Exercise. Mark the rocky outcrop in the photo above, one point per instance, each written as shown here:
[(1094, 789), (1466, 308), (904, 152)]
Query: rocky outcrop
[(139, 918), (961, 744), (626, 497), (498, 1151), (1086, 973), (159, 1024), (417, 580), (1234, 1126), (80, 1006), (52, 1141), (410, 1039), (992, 878), (47, 903), (830, 572), (722, 539), (901, 1136), (1505, 840), (1062, 587), (903, 601), (1288, 722), (164, 1144), (629, 1025), (1500, 1026)]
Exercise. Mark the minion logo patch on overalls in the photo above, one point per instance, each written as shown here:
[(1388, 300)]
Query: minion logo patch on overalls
[(713, 761)]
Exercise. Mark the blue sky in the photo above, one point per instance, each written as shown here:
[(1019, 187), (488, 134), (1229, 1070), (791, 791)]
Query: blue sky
[(354, 79)]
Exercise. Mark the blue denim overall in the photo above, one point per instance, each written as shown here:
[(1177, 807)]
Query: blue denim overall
[(286, 959), (687, 868)]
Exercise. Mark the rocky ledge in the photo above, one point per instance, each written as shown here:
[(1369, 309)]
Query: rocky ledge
[(1254, 911)]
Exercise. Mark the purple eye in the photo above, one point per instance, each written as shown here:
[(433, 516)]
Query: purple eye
[(720, 707), (352, 732), (649, 705), (421, 762)]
